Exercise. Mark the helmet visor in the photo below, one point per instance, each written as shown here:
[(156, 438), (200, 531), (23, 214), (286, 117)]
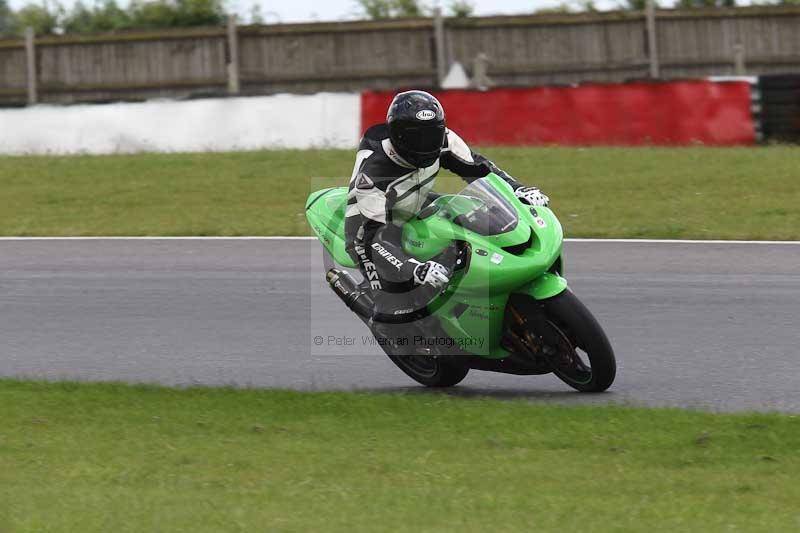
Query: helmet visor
[(422, 139)]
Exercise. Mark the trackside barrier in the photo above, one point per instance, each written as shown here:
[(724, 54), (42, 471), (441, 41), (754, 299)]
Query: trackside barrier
[(676, 113), (780, 107), (323, 120), (642, 113)]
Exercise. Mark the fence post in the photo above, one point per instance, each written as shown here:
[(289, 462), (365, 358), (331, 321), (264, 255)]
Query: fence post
[(480, 72), (652, 44), (438, 37), (30, 57), (233, 56), (738, 59)]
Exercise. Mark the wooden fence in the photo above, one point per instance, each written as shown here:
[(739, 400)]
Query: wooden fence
[(353, 56)]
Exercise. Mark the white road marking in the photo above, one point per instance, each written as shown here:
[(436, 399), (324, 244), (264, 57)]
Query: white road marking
[(155, 238), (679, 241), (306, 238)]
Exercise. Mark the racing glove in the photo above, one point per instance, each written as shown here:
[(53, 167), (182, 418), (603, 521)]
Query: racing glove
[(532, 196), (431, 273)]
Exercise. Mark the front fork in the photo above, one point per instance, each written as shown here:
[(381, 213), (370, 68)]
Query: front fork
[(530, 334), (525, 347)]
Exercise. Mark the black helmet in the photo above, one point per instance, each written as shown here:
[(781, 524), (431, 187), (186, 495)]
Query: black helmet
[(416, 127)]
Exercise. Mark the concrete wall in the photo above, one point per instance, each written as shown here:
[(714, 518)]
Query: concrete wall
[(279, 121)]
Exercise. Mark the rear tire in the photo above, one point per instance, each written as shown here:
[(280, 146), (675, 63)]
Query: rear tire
[(425, 369), (442, 374), (576, 324)]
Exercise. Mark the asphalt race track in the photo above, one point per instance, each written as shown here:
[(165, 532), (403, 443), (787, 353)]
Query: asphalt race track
[(713, 326)]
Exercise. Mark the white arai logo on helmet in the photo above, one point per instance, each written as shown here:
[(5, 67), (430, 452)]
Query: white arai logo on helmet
[(426, 114)]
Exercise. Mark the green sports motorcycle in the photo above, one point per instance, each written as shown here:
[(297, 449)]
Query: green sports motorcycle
[(507, 307)]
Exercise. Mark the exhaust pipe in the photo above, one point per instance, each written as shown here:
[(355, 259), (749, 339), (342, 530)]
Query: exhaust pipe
[(347, 290), (362, 303)]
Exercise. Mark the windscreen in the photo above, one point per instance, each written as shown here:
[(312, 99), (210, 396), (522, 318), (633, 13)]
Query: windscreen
[(480, 208)]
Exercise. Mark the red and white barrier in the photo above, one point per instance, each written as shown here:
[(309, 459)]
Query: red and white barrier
[(671, 113), (325, 120)]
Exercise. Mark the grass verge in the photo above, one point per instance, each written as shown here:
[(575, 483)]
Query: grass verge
[(79, 457), (737, 193)]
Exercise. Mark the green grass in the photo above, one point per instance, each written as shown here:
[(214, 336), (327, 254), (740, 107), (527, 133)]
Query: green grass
[(117, 458), (735, 193)]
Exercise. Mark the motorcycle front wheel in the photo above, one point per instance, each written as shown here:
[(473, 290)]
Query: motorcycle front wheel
[(581, 356)]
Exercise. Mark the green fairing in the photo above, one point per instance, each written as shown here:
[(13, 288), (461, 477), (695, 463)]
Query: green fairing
[(493, 273), (325, 214)]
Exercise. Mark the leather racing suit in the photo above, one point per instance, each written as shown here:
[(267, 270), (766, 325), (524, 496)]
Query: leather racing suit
[(385, 191)]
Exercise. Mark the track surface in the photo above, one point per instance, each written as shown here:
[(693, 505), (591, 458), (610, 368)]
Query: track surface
[(713, 326)]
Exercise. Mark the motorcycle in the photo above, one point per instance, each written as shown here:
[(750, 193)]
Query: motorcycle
[(507, 307)]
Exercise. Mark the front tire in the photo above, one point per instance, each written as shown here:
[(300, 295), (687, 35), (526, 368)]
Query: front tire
[(577, 337)]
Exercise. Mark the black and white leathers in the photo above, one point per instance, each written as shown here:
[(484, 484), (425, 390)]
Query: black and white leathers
[(386, 191)]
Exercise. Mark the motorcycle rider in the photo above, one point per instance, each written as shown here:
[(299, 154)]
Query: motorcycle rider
[(395, 169)]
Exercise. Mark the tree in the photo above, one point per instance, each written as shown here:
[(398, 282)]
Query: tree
[(384, 9), (108, 16), (78, 20), (256, 16), (409, 8), (200, 12), (156, 14), (462, 8), (684, 4), (376, 9), (576, 6), (103, 17), (637, 5), (40, 17), (172, 13), (6, 18), (688, 4), (559, 9)]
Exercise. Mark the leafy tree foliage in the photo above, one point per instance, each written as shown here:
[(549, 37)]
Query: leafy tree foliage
[(172, 13), (461, 8), (41, 17), (103, 17), (687, 4), (6, 18), (384, 9), (684, 4), (638, 5), (107, 15)]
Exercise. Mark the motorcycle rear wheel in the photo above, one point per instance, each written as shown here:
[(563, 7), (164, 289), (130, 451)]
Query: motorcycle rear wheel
[(427, 370), (439, 374)]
